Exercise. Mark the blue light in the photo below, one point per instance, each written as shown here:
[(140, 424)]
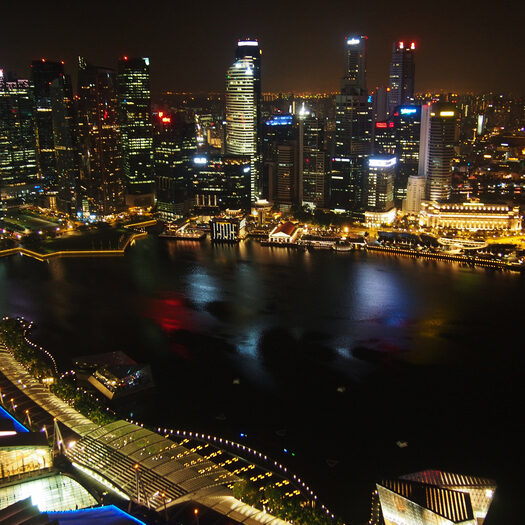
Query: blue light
[(369, 98), (280, 120), (242, 435), (91, 515), (408, 111), (285, 450), (4, 414)]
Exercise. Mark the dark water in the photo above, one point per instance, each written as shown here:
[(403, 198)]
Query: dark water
[(332, 356)]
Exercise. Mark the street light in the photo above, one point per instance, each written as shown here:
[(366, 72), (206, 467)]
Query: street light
[(196, 512)]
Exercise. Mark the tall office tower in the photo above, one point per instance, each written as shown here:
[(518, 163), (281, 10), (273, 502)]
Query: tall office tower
[(134, 90), (64, 119), (279, 130), (287, 175), (402, 71), (407, 128), (221, 182), (380, 103), (18, 160), (43, 73), (353, 131), (380, 183), (243, 102), (441, 139), (174, 148), (313, 162), (102, 179)]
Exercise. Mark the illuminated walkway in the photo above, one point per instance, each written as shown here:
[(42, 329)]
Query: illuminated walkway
[(147, 467)]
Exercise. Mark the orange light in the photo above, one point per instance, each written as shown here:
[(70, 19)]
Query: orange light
[(166, 119), (195, 511), (43, 60)]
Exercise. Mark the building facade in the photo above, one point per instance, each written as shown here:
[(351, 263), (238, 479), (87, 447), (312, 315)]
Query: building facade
[(101, 188), (470, 216), (134, 92), (18, 158), (402, 72), (243, 99)]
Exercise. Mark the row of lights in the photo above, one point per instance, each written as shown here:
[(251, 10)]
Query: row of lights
[(207, 438)]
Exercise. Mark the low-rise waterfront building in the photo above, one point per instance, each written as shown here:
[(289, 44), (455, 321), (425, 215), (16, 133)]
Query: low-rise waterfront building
[(227, 229), (285, 233), (470, 216)]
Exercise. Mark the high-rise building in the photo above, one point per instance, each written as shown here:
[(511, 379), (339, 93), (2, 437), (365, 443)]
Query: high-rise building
[(134, 90), (353, 131), (18, 160), (243, 101), (64, 117), (102, 179), (402, 71), (221, 182), (380, 183), (314, 162), (287, 175), (43, 73), (354, 79), (278, 130), (175, 146), (407, 129), (440, 141)]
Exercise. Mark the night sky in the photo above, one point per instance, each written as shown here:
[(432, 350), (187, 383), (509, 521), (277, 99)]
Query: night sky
[(461, 46)]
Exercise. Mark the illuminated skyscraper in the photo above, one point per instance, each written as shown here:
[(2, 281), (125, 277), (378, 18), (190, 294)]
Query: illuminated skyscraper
[(243, 97), (314, 162), (353, 130), (402, 71), (43, 73), (439, 138), (379, 184), (175, 145), (64, 119), (102, 179), (134, 91), (18, 161)]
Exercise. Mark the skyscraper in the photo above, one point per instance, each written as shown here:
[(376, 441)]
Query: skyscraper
[(18, 161), (313, 162), (243, 98), (353, 130), (102, 178), (64, 120), (134, 92), (440, 139), (175, 145), (380, 183), (402, 71), (43, 73)]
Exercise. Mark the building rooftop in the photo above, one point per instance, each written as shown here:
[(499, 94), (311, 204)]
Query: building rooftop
[(450, 504)]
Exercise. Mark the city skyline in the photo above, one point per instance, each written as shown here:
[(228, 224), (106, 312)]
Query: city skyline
[(307, 58)]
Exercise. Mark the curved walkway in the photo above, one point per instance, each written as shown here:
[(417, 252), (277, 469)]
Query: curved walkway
[(128, 455)]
